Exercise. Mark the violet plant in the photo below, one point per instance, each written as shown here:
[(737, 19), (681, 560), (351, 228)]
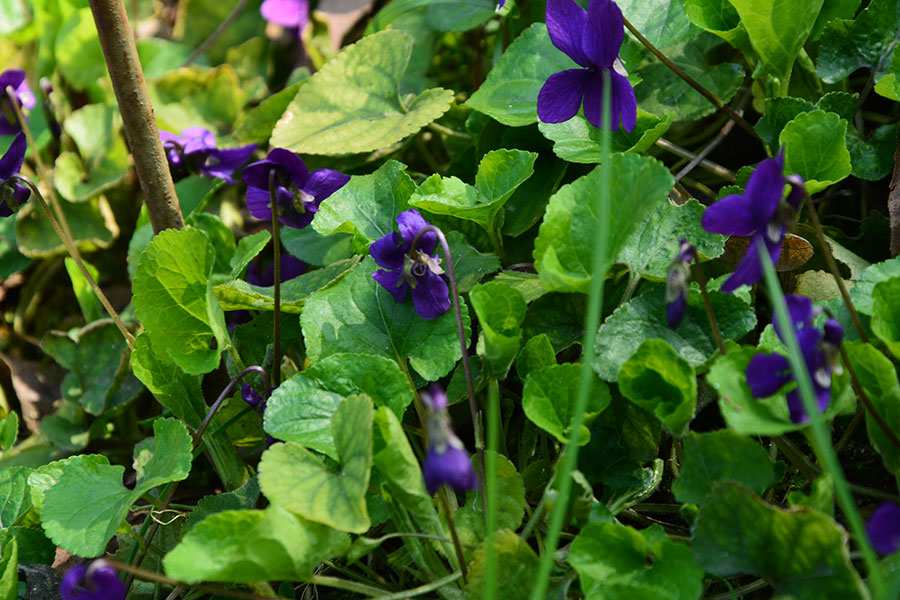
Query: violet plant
[(560, 236)]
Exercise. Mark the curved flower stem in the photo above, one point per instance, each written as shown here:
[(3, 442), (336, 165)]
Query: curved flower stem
[(276, 294), (451, 525), (117, 42), (832, 266), (820, 436), (198, 435), (461, 332), (591, 325), (69, 243), (721, 106), (710, 313)]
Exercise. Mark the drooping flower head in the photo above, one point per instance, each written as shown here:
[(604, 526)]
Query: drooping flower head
[(195, 151), (447, 460), (768, 373), (883, 528), (592, 39), (97, 581), (405, 268), (22, 96), (12, 193), (298, 192), (290, 14), (678, 283), (762, 213)]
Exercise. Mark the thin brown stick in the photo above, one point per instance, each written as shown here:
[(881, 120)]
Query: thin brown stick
[(893, 203), (721, 106), (832, 266), (146, 575), (117, 42)]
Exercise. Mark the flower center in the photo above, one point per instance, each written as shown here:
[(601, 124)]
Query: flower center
[(418, 264)]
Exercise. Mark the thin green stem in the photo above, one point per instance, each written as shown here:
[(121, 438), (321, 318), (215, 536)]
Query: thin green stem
[(592, 324), (422, 589), (820, 436), (693, 82), (69, 243), (276, 293), (489, 591)]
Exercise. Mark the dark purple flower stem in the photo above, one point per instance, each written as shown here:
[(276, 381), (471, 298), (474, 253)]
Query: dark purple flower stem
[(721, 106), (461, 332), (710, 314), (276, 294), (69, 243), (451, 525), (197, 438), (117, 42), (832, 266)]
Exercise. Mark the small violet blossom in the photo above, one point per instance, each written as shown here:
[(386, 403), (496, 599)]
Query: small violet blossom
[(883, 528), (12, 193), (290, 14), (768, 373), (447, 460), (297, 191), (195, 151), (592, 39), (22, 96), (412, 269), (678, 283), (762, 213), (97, 581)]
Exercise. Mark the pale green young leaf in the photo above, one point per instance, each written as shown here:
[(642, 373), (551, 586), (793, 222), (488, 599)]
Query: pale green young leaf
[(353, 103), (549, 395), (253, 545), (174, 301), (500, 309), (562, 251), (820, 164), (295, 478)]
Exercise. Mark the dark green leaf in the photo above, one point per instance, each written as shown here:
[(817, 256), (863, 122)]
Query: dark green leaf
[(800, 552), (658, 380), (720, 456)]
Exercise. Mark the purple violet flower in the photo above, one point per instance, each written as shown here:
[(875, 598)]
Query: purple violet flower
[(22, 95), (592, 39), (768, 373), (96, 582), (883, 528), (405, 269), (290, 14), (298, 192), (761, 213), (447, 460), (12, 193), (195, 151), (251, 396), (678, 283)]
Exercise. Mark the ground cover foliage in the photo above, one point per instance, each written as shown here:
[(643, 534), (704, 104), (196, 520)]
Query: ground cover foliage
[(256, 418)]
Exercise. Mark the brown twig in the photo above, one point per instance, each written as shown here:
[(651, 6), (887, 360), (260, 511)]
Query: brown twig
[(893, 203), (721, 106), (117, 42)]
